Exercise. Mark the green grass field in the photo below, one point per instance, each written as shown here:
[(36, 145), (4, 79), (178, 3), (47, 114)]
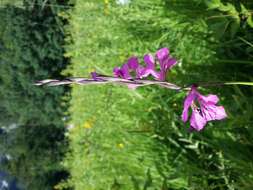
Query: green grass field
[(12, 2), (125, 139), (112, 144)]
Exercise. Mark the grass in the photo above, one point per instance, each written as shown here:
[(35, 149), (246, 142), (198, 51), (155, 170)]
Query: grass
[(124, 139), (111, 144), (12, 2)]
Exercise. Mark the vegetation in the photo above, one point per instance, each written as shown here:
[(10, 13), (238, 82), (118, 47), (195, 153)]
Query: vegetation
[(121, 139), (32, 39), (135, 139)]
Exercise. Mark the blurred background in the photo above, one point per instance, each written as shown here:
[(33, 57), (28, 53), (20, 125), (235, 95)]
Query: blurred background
[(109, 137)]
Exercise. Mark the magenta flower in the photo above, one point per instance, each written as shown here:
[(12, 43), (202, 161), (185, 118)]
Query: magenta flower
[(166, 62), (204, 109), (150, 67), (124, 71)]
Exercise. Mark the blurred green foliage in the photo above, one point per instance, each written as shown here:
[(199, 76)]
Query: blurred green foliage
[(125, 139), (31, 43), (26, 56)]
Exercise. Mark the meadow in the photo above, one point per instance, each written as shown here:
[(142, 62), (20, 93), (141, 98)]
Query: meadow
[(135, 139)]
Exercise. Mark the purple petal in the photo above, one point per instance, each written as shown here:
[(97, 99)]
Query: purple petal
[(187, 103), (94, 75), (117, 72), (149, 69), (147, 72), (150, 62), (220, 113), (122, 72), (162, 54), (209, 99), (139, 72), (125, 71), (165, 66), (213, 112), (170, 63), (165, 61), (197, 121), (133, 63)]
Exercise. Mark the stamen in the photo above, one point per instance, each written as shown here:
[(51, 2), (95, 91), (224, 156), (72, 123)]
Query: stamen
[(195, 107)]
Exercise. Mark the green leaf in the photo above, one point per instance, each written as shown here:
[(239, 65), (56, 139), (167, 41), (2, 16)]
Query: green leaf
[(214, 4), (250, 21)]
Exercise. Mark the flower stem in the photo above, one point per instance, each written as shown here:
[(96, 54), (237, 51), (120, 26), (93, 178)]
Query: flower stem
[(239, 83), (206, 84)]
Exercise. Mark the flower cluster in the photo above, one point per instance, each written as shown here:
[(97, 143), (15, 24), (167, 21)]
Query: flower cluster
[(134, 75), (204, 108)]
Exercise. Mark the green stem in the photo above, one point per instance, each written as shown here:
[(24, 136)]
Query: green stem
[(239, 83), (208, 84)]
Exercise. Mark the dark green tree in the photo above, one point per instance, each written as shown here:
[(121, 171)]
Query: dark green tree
[(31, 48)]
